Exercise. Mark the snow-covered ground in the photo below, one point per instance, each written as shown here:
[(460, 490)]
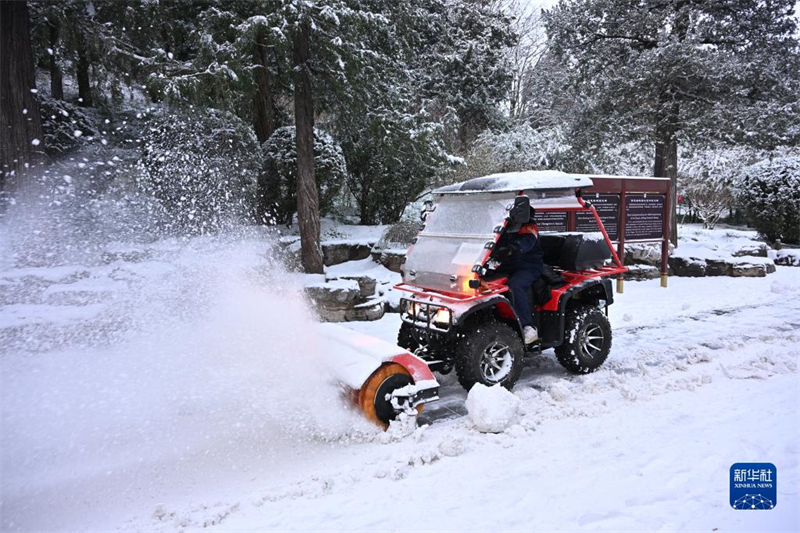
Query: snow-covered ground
[(178, 386)]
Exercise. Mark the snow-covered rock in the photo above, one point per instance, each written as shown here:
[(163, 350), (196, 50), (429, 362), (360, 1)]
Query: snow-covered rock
[(645, 253), (337, 252), (641, 272), (391, 258), (786, 257), (756, 249), (336, 294), (687, 266), (366, 284), (492, 409)]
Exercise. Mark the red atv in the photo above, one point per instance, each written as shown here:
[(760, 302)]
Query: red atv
[(459, 312)]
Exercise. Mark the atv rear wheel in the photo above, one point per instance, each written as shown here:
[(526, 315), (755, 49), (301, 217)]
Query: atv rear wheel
[(587, 340), (491, 355)]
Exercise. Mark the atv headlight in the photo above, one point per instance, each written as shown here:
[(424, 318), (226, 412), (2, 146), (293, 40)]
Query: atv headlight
[(411, 309), (443, 316)]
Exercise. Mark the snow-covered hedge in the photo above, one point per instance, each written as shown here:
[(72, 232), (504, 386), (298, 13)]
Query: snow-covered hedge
[(769, 193), (202, 166), (280, 169)]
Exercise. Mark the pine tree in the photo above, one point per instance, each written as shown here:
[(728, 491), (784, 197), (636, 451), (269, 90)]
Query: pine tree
[(678, 70)]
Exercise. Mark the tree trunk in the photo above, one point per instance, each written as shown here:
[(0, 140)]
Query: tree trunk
[(307, 197), (20, 123), (56, 76), (84, 87), (265, 118), (666, 165)]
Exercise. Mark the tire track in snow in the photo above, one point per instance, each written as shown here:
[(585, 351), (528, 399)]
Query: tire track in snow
[(544, 371)]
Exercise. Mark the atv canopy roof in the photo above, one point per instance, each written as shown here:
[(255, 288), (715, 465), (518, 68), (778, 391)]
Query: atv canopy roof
[(466, 215), (535, 180)]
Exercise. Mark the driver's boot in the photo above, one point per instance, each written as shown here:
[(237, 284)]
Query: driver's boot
[(530, 334)]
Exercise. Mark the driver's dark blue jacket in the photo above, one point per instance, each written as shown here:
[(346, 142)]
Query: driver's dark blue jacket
[(528, 253), (524, 267)]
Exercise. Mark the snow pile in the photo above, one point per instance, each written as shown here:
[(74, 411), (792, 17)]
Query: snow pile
[(492, 409)]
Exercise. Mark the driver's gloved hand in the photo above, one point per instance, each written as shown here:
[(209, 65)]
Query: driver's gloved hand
[(506, 251)]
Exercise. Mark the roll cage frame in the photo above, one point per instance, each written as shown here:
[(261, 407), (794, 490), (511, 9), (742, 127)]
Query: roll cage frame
[(593, 284)]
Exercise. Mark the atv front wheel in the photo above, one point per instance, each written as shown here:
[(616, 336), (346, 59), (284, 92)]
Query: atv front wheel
[(406, 337), (491, 355), (587, 340)]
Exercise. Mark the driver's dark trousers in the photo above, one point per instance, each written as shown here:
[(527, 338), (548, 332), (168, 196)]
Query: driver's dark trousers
[(518, 282)]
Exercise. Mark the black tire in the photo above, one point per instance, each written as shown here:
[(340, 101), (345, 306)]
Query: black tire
[(587, 340), (478, 352), (406, 337)]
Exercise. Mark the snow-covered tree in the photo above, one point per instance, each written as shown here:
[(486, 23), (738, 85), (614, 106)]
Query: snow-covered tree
[(391, 157), (769, 192), (280, 164), (522, 148), (465, 65), (706, 179), (525, 55), (668, 72)]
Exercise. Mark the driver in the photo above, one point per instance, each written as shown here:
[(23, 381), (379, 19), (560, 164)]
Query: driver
[(522, 259)]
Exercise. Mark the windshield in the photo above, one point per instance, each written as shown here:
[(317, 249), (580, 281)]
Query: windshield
[(454, 239)]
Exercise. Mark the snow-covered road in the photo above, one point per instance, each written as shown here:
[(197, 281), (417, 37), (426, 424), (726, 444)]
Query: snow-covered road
[(200, 413)]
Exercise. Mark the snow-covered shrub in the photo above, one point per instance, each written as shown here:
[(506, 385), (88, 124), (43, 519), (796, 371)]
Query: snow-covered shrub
[(202, 166), (64, 125), (705, 179), (280, 169), (769, 193), (399, 235)]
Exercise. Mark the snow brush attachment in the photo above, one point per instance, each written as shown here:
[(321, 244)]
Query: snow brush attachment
[(382, 379), (402, 385)]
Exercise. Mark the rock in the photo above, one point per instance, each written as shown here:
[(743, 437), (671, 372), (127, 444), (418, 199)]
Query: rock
[(360, 313), (366, 284), (756, 249), (645, 254), (492, 409), (337, 294), (341, 252), (369, 311), (786, 257), (687, 266), (391, 258), (770, 268), (718, 267), (642, 272), (748, 270)]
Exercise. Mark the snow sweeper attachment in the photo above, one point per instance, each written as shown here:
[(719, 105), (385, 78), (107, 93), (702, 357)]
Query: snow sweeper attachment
[(382, 379)]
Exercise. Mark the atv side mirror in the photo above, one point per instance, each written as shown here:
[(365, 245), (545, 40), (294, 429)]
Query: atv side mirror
[(520, 212)]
